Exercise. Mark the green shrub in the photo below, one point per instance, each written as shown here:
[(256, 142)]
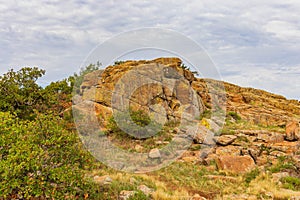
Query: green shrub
[(40, 159), (283, 164), (251, 176), (234, 115), (206, 114), (291, 183)]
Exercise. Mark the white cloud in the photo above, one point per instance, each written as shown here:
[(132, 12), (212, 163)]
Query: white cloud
[(237, 34)]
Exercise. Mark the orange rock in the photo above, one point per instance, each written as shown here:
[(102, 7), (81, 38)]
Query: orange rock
[(292, 130), (236, 164)]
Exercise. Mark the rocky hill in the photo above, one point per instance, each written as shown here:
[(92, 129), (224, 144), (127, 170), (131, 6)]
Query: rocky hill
[(254, 105), (258, 128)]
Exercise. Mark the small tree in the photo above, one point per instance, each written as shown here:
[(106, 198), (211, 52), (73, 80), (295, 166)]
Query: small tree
[(19, 91)]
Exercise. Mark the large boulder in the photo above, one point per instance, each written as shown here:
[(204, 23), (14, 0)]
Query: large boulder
[(292, 130), (236, 164), (145, 85)]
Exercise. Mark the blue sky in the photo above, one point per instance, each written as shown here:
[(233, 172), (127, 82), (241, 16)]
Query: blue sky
[(254, 43)]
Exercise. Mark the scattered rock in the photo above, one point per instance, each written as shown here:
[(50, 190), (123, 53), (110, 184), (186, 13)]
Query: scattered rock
[(225, 139), (103, 180), (262, 160), (228, 151), (154, 153), (277, 176), (125, 194), (285, 146), (198, 197), (159, 142), (236, 164), (277, 153), (146, 190), (191, 159), (138, 148)]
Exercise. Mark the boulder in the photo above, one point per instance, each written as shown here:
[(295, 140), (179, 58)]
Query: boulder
[(145, 189), (292, 131), (154, 153), (236, 164), (225, 139)]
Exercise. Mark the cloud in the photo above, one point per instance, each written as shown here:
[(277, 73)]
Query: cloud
[(244, 39)]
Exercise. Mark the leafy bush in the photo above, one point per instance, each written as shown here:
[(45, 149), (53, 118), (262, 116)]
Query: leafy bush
[(283, 164), (234, 115), (41, 159), (206, 114), (19, 91), (291, 183), (251, 176), (139, 117), (77, 79)]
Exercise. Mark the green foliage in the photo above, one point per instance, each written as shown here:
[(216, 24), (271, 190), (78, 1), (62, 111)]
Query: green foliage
[(283, 164), (19, 91), (234, 115), (206, 114), (183, 66), (40, 159), (291, 183), (139, 117), (76, 79), (140, 196), (58, 96), (251, 176), (119, 62)]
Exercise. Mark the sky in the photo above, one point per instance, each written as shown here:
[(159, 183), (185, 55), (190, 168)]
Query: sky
[(252, 43)]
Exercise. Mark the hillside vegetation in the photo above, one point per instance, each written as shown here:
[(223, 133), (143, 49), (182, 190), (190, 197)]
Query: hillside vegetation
[(43, 157)]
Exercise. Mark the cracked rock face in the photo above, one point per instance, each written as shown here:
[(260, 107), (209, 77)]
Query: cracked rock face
[(293, 130), (166, 91), (160, 87)]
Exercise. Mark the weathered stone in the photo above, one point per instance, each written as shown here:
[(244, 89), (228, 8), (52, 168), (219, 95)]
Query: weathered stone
[(125, 194), (90, 79), (225, 139), (138, 148), (292, 130), (154, 153), (190, 159), (76, 99), (145, 189), (201, 134), (262, 160), (197, 197), (277, 153), (228, 151), (286, 147), (276, 138), (103, 180), (277, 176), (237, 164)]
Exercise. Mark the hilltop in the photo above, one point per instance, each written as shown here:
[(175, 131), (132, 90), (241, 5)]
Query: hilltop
[(148, 129), (241, 135)]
